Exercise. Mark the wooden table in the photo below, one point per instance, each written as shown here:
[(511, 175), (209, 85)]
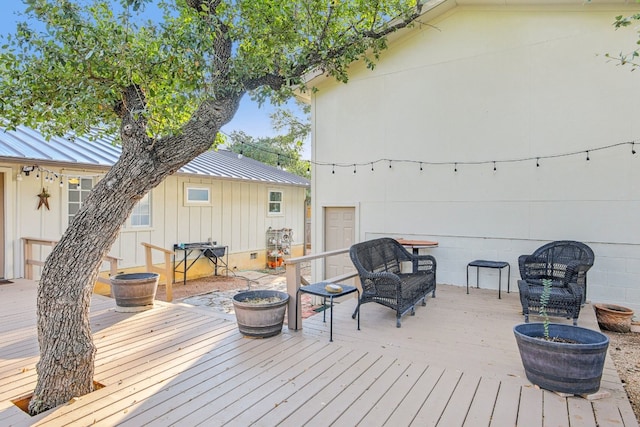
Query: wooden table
[(416, 245)]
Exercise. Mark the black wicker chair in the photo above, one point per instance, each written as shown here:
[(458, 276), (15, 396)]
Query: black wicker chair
[(379, 264), (566, 264)]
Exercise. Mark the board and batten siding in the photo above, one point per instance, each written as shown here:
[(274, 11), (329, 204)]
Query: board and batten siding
[(487, 83), (237, 217)]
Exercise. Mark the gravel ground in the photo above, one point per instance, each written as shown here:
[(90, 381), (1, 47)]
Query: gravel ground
[(625, 351)]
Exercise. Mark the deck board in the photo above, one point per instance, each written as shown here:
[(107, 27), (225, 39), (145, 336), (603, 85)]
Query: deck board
[(185, 365)]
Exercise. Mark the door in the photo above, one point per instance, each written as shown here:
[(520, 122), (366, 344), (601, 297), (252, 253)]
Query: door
[(339, 234)]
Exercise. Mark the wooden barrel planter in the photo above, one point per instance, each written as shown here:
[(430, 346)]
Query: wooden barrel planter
[(614, 317), (134, 291), (573, 366), (260, 314)]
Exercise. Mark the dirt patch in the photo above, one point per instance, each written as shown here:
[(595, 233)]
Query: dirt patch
[(624, 349), (202, 286)]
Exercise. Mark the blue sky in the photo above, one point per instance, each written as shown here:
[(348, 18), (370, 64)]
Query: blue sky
[(251, 119)]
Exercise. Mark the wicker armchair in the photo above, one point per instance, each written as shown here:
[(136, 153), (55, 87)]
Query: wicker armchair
[(379, 263), (566, 264)]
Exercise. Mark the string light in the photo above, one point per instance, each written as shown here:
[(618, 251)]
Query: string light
[(51, 176), (334, 169), (422, 163), (354, 168)]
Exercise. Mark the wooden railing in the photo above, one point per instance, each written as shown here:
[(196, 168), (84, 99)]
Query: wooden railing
[(29, 261), (166, 269), (295, 279)]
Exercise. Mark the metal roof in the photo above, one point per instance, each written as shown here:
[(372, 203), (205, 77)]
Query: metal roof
[(30, 145)]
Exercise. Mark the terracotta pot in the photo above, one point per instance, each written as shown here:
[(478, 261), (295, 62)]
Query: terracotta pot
[(134, 291), (614, 317)]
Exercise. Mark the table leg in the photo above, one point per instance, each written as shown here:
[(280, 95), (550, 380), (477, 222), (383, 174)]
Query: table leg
[(331, 321), (467, 279), (297, 302), (358, 290), (499, 282)]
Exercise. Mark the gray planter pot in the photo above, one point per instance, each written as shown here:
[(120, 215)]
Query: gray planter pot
[(260, 320), (134, 291), (562, 367)]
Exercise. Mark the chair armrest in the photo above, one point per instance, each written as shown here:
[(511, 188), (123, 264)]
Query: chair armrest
[(523, 288), (573, 270), (575, 289), (418, 267)]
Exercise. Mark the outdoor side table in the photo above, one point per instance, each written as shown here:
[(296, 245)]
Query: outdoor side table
[(481, 263), (318, 289)]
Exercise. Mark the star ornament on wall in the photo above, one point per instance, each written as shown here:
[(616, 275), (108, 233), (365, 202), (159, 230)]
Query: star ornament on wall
[(44, 199)]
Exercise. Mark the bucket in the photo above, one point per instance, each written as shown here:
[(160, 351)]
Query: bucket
[(134, 291)]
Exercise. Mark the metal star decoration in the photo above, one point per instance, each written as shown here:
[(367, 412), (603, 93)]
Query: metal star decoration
[(44, 199)]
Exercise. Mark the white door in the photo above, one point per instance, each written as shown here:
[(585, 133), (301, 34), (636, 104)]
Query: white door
[(339, 234)]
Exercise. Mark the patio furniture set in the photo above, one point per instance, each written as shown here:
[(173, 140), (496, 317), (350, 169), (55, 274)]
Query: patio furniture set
[(392, 276)]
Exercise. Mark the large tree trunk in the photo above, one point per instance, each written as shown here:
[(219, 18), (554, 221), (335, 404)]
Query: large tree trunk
[(67, 352)]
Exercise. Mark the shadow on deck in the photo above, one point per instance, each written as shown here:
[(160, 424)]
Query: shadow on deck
[(454, 363)]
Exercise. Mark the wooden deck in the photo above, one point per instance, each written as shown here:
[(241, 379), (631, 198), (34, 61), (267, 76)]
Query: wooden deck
[(455, 363)]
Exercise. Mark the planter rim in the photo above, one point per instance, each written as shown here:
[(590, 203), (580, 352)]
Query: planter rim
[(613, 308), (265, 293), (599, 338)]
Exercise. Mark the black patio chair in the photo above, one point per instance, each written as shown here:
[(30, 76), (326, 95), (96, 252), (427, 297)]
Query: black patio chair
[(563, 262), (384, 280)]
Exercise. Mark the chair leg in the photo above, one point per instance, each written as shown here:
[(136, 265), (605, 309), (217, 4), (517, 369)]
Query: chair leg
[(355, 312), (424, 301), (398, 324)]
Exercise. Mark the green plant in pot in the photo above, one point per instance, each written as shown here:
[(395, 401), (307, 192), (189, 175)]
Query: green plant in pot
[(560, 357)]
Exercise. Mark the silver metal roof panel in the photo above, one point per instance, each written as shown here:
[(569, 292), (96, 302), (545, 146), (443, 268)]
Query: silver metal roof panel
[(28, 144)]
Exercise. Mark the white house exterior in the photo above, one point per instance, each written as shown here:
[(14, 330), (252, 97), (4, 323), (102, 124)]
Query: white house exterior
[(231, 205), (408, 149)]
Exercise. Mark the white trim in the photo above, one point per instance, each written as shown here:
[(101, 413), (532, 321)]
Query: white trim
[(198, 188), (281, 202)]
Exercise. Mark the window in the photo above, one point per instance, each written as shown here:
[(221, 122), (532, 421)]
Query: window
[(79, 189), (197, 195), (275, 202), (141, 215)]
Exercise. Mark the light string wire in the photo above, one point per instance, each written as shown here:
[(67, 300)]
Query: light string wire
[(50, 176), (456, 164)]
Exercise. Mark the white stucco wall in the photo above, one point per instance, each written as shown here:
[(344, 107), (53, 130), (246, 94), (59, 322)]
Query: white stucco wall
[(483, 84)]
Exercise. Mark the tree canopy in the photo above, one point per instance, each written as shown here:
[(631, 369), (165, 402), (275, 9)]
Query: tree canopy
[(283, 150), (69, 73), (168, 85)]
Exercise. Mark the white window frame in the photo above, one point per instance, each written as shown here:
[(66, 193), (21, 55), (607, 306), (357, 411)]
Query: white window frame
[(79, 202), (202, 189), (136, 212), (280, 202)]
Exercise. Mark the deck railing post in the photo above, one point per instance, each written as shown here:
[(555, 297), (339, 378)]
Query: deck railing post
[(293, 277)]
